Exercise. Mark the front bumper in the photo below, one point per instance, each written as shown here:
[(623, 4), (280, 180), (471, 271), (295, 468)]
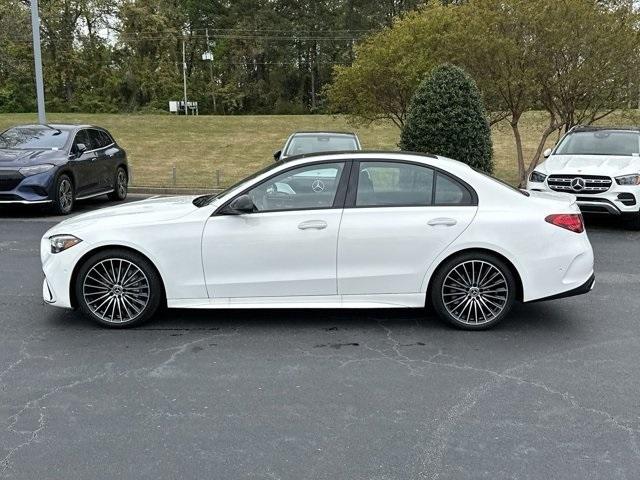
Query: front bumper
[(619, 199), (35, 189)]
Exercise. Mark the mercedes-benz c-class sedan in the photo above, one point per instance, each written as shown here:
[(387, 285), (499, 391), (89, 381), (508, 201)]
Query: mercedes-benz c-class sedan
[(59, 164), (372, 230)]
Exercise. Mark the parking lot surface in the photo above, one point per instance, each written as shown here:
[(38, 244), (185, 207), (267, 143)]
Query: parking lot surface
[(552, 392)]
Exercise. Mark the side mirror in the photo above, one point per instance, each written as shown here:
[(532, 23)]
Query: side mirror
[(277, 155), (80, 148), (242, 204), (546, 153)]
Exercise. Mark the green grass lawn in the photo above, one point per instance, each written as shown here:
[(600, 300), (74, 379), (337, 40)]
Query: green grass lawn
[(238, 145)]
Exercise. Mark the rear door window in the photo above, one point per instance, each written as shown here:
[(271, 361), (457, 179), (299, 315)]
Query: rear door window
[(391, 184)]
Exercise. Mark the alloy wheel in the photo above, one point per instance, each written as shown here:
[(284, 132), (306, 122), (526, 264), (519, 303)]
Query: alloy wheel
[(475, 292), (121, 183), (116, 290), (65, 195)]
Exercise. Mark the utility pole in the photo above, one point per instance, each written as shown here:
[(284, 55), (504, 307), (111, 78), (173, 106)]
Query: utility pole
[(209, 56), (184, 77), (37, 59)]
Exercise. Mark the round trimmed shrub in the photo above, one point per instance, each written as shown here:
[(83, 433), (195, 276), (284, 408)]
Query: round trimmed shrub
[(446, 117)]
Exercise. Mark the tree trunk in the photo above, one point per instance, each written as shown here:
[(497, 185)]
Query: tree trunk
[(522, 174)]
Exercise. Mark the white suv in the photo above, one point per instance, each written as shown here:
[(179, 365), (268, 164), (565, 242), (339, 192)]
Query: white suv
[(600, 166)]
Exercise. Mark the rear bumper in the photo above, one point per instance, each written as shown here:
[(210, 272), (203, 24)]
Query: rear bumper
[(586, 287)]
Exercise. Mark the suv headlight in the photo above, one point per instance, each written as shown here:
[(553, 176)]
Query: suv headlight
[(60, 243), (628, 180), (34, 170), (537, 177)]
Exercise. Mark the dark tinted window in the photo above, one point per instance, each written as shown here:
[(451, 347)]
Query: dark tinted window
[(95, 139), (106, 138), (82, 137), (394, 184), (307, 187), (451, 192), (33, 137)]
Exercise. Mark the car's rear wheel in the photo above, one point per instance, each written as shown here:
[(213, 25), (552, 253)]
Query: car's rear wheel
[(120, 185), (473, 291), (63, 195), (118, 288)]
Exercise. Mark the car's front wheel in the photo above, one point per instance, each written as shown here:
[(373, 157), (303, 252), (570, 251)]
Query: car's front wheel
[(120, 185), (118, 288), (473, 291), (63, 195)]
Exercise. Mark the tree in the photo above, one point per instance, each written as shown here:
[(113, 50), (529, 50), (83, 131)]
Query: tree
[(575, 59), (446, 117)]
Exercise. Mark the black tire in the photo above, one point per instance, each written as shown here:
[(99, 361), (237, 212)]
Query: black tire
[(632, 220), (63, 196), (473, 291), (131, 298), (120, 185)]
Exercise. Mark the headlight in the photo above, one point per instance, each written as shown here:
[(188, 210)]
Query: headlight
[(628, 180), (537, 177), (59, 243), (36, 169)]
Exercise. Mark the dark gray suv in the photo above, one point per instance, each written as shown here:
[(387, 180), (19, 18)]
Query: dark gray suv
[(59, 164)]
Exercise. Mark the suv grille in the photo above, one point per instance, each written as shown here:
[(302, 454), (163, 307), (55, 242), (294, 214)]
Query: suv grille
[(9, 179), (582, 184)]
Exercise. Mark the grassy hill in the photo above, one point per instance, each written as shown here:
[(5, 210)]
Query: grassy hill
[(238, 145)]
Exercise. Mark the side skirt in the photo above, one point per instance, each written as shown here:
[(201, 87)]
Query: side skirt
[(408, 300)]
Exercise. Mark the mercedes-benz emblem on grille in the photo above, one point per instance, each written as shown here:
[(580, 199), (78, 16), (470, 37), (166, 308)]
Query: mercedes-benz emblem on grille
[(578, 184), (317, 185)]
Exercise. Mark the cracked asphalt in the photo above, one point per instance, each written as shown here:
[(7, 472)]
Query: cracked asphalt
[(552, 392)]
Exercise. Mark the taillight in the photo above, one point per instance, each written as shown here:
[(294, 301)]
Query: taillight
[(570, 221)]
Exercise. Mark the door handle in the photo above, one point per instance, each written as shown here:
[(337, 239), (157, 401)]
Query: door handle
[(313, 224), (443, 222)]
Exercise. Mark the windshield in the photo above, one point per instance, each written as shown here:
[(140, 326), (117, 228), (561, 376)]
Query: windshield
[(601, 142), (38, 137), (207, 199), (314, 143)]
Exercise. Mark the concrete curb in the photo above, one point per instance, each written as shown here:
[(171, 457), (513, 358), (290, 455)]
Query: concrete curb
[(173, 191)]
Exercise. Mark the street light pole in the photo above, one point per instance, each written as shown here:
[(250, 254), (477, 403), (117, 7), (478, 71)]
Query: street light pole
[(184, 78), (37, 59)]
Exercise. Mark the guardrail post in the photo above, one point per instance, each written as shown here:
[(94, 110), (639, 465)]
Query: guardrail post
[(174, 174)]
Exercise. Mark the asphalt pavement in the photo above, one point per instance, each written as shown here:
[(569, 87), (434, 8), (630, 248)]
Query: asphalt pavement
[(552, 392)]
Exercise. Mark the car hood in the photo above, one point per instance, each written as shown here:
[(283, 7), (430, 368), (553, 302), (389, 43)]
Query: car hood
[(10, 158), (149, 211), (590, 165)]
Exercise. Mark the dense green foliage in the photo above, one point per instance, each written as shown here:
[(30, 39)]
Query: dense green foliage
[(575, 59), (446, 117), (269, 56)]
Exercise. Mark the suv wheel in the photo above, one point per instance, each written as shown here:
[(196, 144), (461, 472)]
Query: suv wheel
[(120, 185), (118, 288), (632, 220), (473, 291), (64, 196)]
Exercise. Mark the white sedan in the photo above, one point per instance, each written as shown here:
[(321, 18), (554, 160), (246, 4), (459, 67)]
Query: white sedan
[(337, 230)]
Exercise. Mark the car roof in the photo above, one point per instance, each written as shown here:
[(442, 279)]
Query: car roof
[(322, 132), (359, 153), (600, 128), (60, 126)]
